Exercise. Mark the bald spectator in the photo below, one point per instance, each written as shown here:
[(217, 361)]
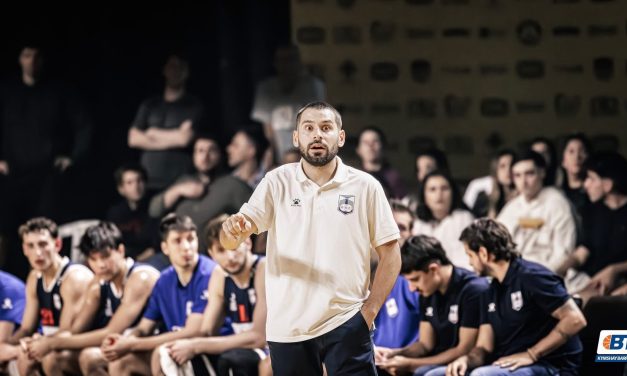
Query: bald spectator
[(278, 98)]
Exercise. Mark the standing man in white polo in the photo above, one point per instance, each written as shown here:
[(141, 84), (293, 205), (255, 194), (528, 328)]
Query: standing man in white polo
[(323, 218)]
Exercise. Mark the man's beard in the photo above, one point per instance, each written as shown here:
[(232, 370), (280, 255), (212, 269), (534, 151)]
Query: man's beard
[(321, 160)]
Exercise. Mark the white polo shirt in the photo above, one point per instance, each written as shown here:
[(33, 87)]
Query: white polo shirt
[(318, 251)]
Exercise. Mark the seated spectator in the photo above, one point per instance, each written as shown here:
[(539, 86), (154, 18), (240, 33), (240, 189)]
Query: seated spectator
[(236, 292), (54, 288), (529, 323), (139, 230), (449, 307), (370, 149), (177, 300), (576, 151), (426, 162), (205, 194), (278, 98), (398, 320), (540, 218), (602, 254), (165, 125), (113, 302), (546, 148), (442, 214), (245, 152), (13, 299), (487, 195)]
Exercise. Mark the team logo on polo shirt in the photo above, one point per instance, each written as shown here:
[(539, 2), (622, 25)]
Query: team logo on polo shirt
[(429, 311), (492, 307), (517, 301), (453, 314), (346, 204)]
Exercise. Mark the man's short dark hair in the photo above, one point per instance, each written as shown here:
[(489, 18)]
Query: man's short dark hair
[(105, 236), (377, 130), (437, 155), (530, 155), (491, 235), (212, 229), (398, 206), (320, 106), (118, 175), (37, 224), (256, 137), (610, 165), (419, 252), (206, 135), (174, 222)]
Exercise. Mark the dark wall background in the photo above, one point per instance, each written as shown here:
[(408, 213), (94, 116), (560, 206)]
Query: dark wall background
[(113, 56)]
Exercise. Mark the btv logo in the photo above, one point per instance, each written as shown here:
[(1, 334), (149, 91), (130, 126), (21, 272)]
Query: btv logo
[(612, 342)]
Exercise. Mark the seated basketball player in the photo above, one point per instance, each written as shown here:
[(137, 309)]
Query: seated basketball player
[(236, 292), (177, 300), (114, 302), (54, 288)]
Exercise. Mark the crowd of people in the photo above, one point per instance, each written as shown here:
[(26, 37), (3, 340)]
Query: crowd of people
[(158, 291)]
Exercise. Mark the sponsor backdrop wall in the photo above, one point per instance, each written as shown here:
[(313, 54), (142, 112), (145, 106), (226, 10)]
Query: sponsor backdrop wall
[(470, 76)]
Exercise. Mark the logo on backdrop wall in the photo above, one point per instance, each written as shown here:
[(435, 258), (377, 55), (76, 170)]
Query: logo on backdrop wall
[(529, 32), (456, 106), (494, 107), (420, 71), (348, 69), (310, 35), (346, 34), (567, 105), (384, 71), (421, 108), (604, 106), (382, 31)]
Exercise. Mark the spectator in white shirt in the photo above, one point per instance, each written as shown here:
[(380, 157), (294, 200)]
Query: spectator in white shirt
[(442, 214), (540, 219)]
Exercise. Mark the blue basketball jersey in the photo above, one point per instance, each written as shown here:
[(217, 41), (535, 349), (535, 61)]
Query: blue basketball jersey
[(111, 298), (398, 321), (12, 298), (171, 302)]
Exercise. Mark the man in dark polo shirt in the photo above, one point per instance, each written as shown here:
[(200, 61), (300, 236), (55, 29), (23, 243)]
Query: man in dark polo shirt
[(449, 304), (529, 323)]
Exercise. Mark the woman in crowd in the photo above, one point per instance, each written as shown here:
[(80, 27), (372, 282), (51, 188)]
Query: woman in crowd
[(442, 214)]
